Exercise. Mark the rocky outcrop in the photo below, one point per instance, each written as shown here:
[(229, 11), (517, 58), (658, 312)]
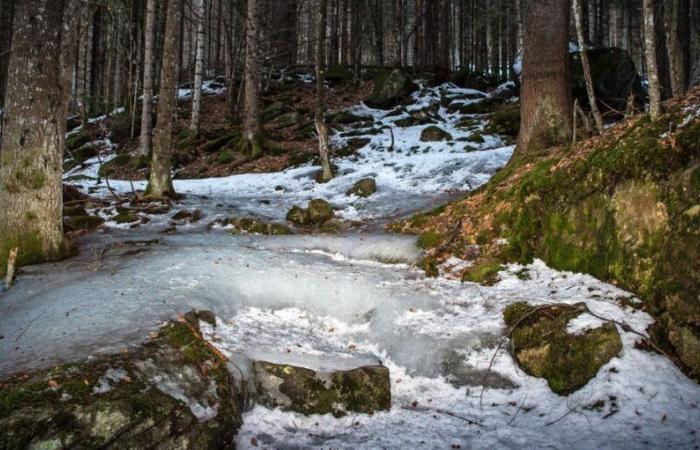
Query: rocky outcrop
[(172, 392), (362, 390), (389, 89), (543, 348)]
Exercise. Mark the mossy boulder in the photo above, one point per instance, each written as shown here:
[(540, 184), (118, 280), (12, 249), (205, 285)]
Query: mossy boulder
[(470, 79), (339, 74), (274, 109), (125, 215), (363, 188), (247, 225), (82, 222), (319, 211), (614, 77), (434, 134), (194, 215), (389, 89), (365, 389), (298, 215), (543, 348), (172, 392), (505, 120), (347, 118), (77, 140)]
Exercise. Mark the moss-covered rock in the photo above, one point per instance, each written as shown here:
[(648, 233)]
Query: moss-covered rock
[(434, 134), (505, 120), (172, 392), (543, 348), (194, 215), (248, 225), (363, 390), (82, 222), (339, 74), (467, 78), (274, 109), (363, 188), (319, 211), (298, 215), (347, 118), (389, 89), (77, 140)]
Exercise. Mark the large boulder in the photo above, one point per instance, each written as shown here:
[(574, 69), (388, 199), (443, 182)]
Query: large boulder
[(614, 78), (390, 89), (543, 348), (172, 392), (365, 389)]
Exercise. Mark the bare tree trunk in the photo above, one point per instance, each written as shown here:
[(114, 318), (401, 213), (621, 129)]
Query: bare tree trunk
[(677, 32), (251, 123), (33, 136), (650, 54), (319, 118), (546, 92), (198, 68), (160, 183), (583, 51), (146, 110)]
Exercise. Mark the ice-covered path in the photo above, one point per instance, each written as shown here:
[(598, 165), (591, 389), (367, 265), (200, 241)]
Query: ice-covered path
[(342, 301)]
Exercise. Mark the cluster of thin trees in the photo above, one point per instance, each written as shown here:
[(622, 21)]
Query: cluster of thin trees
[(88, 57)]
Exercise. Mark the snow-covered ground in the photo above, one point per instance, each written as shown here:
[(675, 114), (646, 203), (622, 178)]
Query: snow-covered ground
[(411, 176), (342, 301)]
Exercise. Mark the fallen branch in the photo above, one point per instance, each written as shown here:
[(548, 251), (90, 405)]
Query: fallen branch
[(447, 413)]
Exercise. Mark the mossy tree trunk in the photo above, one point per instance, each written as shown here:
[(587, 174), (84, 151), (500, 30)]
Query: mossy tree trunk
[(31, 151), (319, 119), (677, 29), (160, 183), (251, 122), (145, 138), (546, 107)]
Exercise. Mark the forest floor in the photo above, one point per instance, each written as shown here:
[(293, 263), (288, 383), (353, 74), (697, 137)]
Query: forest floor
[(353, 297)]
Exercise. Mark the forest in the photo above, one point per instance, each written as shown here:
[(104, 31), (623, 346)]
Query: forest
[(287, 224)]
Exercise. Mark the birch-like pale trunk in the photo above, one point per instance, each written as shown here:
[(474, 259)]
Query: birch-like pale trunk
[(198, 69), (650, 54), (147, 105), (586, 65), (319, 116)]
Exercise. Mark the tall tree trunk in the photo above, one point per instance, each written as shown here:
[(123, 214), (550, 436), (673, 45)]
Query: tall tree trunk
[(6, 16), (546, 93), (198, 68), (677, 32), (33, 136), (148, 57), (583, 51), (319, 117), (251, 123), (160, 183), (650, 54), (96, 62)]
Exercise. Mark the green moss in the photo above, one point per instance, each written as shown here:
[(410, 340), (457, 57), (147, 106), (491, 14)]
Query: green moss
[(215, 145), (77, 140), (505, 120), (225, 157), (484, 272), (429, 266), (74, 223), (31, 250), (429, 239)]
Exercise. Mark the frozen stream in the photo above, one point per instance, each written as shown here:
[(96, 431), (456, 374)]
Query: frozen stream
[(326, 301), (343, 301)]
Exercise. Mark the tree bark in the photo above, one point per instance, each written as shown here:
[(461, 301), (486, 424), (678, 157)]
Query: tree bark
[(147, 105), (677, 32), (650, 54), (319, 117), (160, 182), (583, 51), (31, 153), (251, 123), (546, 92), (198, 68)]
